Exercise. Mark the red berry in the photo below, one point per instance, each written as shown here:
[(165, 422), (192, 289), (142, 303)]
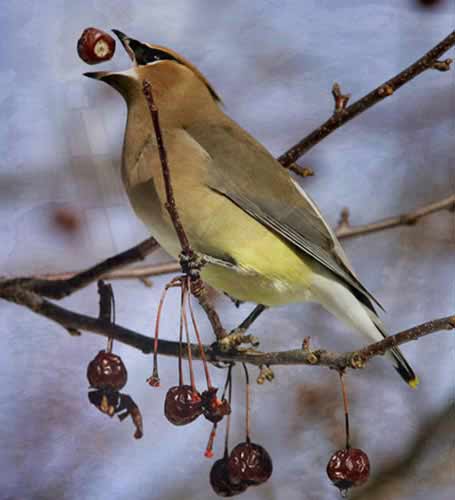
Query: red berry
[(95, 46), (182, 405), (107, 371), (213, 408), (221, 482), (348, 467), (249, 463)]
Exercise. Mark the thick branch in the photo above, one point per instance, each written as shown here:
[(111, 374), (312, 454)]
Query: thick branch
[(58, 289), (76, 322), (378, 94)]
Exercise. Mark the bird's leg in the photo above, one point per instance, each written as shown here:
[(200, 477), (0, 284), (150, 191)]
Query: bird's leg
[(251, 318), (237, 336)]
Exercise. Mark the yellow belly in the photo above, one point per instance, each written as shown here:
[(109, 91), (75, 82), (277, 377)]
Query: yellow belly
[(267, 270)]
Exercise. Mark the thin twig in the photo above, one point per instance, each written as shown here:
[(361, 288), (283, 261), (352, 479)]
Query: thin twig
[(188, 259), (341, 100), (170, 199), (378, 94), (345, 230), (301, 171)]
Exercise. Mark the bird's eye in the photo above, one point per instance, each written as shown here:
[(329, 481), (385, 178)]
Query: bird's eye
[(145, 54)]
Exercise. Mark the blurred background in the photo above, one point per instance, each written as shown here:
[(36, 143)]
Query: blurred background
[(62, 208)]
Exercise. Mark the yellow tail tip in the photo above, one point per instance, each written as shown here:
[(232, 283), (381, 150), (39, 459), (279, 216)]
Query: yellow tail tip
[(414, 383)]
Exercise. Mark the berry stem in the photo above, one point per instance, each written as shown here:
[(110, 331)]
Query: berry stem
[(154, 380), (155, 377), (110, 340), (228, 385), (209, 449), (187, 334), (346, 409), (247, 391), (198, 337), (181, 338)]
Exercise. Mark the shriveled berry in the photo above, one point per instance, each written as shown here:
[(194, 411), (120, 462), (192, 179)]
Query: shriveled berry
[(105, 400), (107, 371), (249, 463), (95, 46), (214, 409), (348, 467), (221, 482), (182, 405)]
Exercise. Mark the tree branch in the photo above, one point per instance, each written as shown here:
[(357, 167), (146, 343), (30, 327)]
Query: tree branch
[(345, 230), (117, 262), (60, 288), (357, 359), (339, 118)]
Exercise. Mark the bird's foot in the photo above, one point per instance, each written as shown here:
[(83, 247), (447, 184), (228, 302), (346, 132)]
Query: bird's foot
[(191, 264), (236, 339)]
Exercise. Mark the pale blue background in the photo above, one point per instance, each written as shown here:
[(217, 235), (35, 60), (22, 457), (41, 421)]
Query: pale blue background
[(273, 62)]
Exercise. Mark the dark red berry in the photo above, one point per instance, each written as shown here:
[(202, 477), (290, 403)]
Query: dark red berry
[(213, 408), (107, 371), (348, 467), (182, 405), (249, 463), (95, 46), (221, 482)]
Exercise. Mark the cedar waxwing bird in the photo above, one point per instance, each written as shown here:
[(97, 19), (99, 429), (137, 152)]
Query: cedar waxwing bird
[(264, 239)]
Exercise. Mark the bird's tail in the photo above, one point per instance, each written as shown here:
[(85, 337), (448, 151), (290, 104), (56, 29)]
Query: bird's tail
[(399, 361), (358, 312)]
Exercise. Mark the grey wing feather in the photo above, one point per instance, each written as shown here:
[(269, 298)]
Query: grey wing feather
[(250, 177)]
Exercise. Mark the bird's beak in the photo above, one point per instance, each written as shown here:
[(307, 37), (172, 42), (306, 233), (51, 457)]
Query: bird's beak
[(98, 75), (127, 43)]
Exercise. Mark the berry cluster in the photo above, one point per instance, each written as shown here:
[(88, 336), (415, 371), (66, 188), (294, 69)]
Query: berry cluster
[(184, 403), (248, 464)]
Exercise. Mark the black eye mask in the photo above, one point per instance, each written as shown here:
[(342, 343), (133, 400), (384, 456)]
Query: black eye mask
[(145, 54)]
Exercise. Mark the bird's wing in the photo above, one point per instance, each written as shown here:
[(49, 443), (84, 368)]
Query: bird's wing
[(244, 171)]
